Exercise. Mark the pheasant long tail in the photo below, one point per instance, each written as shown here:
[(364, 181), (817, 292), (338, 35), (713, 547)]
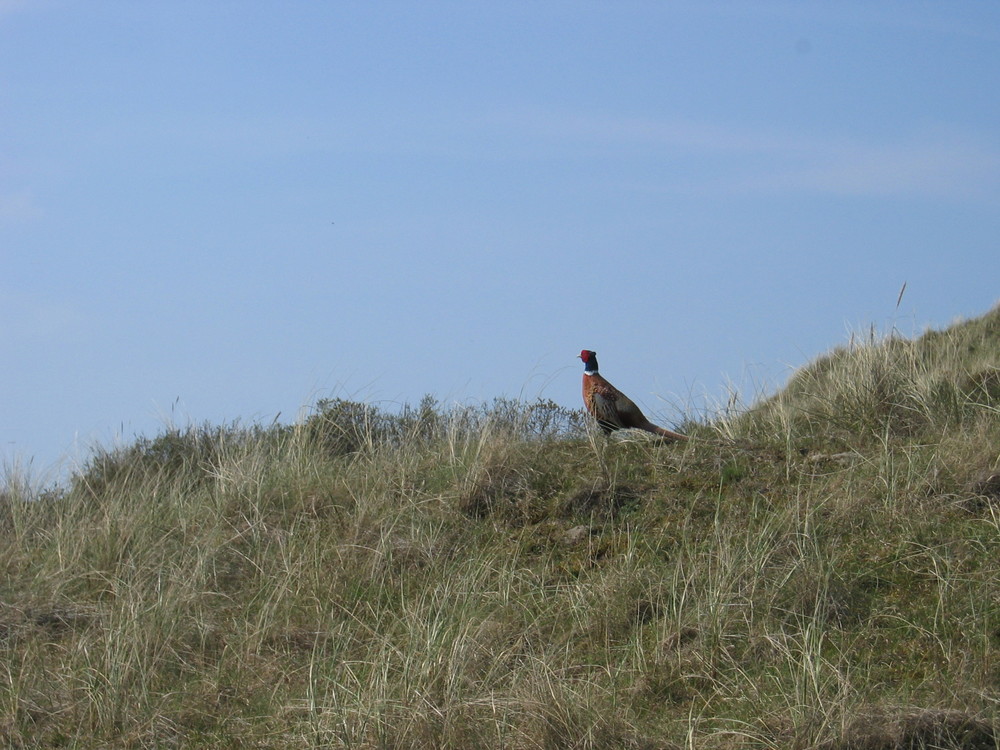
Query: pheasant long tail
[(666, 434)]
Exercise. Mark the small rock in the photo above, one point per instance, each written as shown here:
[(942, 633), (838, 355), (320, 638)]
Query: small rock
[(576, 535)]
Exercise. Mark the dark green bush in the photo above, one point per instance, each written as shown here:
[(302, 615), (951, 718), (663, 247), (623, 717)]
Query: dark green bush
[(340, 426), (188, 454)]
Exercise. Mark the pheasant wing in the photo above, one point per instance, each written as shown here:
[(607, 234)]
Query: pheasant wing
[(606, 403), (629, 415)]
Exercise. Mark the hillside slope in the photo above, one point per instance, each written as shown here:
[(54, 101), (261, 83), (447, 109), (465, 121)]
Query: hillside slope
[(822, 571)]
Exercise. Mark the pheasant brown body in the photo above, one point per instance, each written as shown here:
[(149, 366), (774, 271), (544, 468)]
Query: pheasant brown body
[(612, 409)]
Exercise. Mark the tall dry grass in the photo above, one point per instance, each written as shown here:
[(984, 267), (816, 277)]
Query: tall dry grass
[(817, 571)]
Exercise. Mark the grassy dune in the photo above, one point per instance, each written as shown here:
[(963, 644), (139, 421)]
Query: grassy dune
[(821, 570)]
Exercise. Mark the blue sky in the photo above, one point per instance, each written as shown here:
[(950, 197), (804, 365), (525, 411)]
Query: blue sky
[(216, 211)]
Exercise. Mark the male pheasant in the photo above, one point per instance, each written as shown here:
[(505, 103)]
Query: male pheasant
[(612, 409)]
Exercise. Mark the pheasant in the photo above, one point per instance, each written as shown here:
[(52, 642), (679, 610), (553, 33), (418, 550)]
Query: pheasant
[(612, 409)]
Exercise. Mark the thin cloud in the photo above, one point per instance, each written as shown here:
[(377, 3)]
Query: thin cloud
[(717, 158), (581, 129), (934, 18), (29, 318), (9, 7), (930, 162), (923, 165), (18, 207)]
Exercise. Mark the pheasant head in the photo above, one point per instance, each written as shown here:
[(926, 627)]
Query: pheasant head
[(589, 360)]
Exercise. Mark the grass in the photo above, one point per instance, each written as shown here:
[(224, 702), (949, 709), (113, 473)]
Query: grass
[(818, 570)]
